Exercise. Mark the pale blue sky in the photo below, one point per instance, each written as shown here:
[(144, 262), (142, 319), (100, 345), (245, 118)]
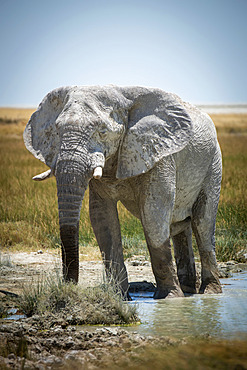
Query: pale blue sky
[(195, 48)]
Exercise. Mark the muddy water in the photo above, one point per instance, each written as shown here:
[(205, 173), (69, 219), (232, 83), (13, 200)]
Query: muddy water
[(223, 315)]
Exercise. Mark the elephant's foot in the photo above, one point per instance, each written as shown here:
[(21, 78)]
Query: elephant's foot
[(190, 289), (173, 292), (70, 276), (188, 284), (210, 287)]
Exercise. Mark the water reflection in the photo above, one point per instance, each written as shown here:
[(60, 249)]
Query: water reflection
[(220, 315)]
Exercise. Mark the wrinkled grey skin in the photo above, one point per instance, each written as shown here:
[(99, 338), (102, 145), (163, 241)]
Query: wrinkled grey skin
[(160, 158)]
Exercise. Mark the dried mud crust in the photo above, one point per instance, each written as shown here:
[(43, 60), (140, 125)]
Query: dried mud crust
[(65, 347)]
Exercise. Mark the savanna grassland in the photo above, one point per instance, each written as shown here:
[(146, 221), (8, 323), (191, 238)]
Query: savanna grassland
[(28, 209)]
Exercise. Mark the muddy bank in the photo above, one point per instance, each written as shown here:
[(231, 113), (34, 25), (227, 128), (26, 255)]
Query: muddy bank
[(52, 342), (40, 349), (25, 346), (49, 341)]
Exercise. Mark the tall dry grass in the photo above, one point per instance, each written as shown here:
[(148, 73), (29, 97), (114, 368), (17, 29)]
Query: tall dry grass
[(28, 210), (8, 115), (100, 305)]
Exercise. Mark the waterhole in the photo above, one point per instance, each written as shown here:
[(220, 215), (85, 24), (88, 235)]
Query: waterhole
[(218, 315)]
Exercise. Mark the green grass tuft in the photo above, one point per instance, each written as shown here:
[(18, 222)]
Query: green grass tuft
[(91, 306)]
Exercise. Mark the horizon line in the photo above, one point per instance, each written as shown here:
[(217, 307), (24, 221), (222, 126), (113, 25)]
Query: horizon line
[(242, 104)]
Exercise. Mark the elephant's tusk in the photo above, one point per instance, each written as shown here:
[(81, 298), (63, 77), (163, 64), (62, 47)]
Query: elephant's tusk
[(97, 173), (43, 176)]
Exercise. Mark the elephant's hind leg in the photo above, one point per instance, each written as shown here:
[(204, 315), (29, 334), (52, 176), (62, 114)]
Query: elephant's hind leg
[(203, 224), (205, 241), (184, 256)]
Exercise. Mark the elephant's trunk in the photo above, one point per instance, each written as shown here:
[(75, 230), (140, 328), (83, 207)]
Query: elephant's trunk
[(74, 168), (70, 192), (70, 251)]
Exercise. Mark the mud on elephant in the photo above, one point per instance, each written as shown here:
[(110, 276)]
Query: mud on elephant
[(148, 149)]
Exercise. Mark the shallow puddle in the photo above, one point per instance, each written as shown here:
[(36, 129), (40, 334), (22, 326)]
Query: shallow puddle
[(13, 314), (219, 315)]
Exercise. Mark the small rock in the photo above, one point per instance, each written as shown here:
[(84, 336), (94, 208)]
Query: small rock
[(141, 286), (91, 357), (11, 356), (61, 323), (69, 342), (223, 274), (50, 360), (88, 335), (38, 348), (111, 343), (58, 330), (236, 269), (71, 356), (112, 331), (101, 331), (122, 332), (146, 263), (32, 331), (231, 263), (136, 263)]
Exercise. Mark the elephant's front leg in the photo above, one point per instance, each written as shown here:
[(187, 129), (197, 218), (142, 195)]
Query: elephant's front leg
[(164, 272), (156, 205), (157, 197), (105, 223)]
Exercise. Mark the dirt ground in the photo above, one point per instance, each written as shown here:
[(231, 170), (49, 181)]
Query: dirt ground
[(24, 267), (21, 267)]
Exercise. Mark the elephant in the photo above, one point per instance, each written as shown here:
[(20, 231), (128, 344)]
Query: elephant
[(157, 155)]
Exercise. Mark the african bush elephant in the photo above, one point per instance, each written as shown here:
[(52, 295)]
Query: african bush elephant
[(147, 148)]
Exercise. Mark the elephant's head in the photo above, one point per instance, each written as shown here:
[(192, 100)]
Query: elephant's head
[(75, 130)]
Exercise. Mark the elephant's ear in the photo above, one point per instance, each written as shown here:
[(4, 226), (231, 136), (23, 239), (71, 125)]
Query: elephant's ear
[(158, 126), (41, 136)]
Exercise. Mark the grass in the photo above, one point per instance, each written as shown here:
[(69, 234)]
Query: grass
[(231, 233), (28, 209), (76, 305)]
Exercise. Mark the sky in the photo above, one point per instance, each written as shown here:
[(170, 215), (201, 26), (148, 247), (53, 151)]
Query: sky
[(194, 48)]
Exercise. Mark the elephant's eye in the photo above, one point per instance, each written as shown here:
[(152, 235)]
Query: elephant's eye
[(102, 132)]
